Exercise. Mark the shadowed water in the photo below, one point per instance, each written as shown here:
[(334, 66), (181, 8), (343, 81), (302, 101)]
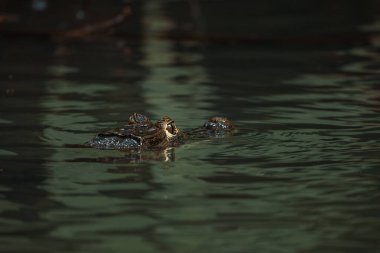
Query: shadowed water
[(300, 175)]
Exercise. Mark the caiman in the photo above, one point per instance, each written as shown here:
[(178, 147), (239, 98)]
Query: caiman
[(140, 133)]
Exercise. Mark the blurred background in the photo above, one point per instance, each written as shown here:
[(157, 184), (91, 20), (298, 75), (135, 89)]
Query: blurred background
[(300, 79)]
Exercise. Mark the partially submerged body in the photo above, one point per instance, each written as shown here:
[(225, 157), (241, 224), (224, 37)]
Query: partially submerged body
[(142, 134)]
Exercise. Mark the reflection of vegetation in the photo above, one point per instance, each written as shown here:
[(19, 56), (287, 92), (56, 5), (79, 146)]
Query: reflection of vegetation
[(175, 84), (71, 20), (5, 18), (63, 97), (99, 27)]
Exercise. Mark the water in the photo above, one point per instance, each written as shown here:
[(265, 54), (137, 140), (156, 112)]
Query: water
[(300, 175)]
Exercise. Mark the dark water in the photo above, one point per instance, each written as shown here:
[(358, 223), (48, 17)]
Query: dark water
[(300, 175)]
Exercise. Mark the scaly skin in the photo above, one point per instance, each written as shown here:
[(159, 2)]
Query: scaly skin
[(141, 134)]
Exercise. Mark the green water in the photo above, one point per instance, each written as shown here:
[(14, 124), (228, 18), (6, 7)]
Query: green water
[(300, 175)]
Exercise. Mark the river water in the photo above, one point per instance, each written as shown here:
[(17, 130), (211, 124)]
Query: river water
[(301, 174)]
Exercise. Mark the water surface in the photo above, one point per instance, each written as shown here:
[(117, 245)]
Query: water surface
[(300, 175)]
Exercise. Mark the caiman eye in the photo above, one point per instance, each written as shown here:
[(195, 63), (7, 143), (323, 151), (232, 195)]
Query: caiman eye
[(171, 128)]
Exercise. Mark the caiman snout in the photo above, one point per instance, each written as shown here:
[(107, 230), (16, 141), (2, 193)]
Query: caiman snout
[(219, 124)]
